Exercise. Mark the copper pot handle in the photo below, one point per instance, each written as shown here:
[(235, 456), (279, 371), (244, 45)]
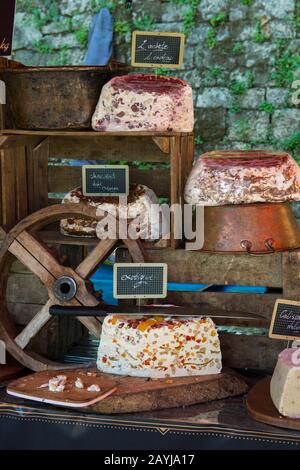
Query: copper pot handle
[(269, 244), (247, 245)]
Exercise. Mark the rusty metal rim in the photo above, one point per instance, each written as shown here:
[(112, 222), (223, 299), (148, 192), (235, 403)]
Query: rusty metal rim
[(252, 253), (70, 68)]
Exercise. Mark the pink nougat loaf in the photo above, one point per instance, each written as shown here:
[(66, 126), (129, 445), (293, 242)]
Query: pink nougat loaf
[(145, 103), (243, 177)]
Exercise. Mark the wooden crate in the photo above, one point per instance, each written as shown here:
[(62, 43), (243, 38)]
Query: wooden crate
[(279, 271), (26, 178)]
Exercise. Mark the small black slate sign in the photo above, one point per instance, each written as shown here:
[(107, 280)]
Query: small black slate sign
[(105, 180), (7, 14), (155, 49), (285, 323), (140, 280)]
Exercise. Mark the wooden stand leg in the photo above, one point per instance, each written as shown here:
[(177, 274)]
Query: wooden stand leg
[(8, 188), (37, 175), (176, 196)]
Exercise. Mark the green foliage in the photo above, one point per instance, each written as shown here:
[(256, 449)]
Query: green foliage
[(296, 22), (42, 47), (122, 27), (211, 35), (246, 2), (218, 19), (96, 5), (238, 48), (238, 87), (144, 23), (82, 35), (242, 128), (292, 143), (235, 107), (213, 75), (285, 65), (62, 57), (199, 140), (190, 16), (49, 13), (163, 71), (259, 35), (267, 107), (211, 38), (143, 165), (249, 79)]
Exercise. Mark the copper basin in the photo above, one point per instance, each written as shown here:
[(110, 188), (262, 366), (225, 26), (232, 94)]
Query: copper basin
[(253, 228)]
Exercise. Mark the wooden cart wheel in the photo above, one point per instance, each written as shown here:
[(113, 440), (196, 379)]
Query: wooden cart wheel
[(65, 286)]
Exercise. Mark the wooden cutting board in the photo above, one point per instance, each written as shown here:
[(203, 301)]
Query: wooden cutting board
[(261, 408), (33, 387), (130, 394)]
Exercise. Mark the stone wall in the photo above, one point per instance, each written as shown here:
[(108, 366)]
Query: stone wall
[(241, 58)]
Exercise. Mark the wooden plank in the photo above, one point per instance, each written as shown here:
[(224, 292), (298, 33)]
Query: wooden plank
[(176, 197), (37, 175), (21, 183), (22, 312), (31, 192), (55, 237), (134, 394), (39, 260), (95, 258), (19, 268), (34, 263), (260, 304), (107, 148), (40, 174), (11, 141), (252, 352), (34, 326), (64, 178), (291, 275), (163, 143), (2, 116), (220, 269), (261, 408), (8, 188), (93, 133)]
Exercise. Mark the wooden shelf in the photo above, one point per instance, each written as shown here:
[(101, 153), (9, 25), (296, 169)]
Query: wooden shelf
[(54, 237), (71, 133)]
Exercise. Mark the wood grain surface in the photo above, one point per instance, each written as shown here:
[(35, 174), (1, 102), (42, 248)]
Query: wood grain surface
[(261, 408), (134, 393)]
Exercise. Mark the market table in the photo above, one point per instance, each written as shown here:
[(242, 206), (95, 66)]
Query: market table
[(222, 424)]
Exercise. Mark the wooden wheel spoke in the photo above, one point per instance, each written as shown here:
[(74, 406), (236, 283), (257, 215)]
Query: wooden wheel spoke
[(90, 263), (34, 326), (40, 252), (26, 258)]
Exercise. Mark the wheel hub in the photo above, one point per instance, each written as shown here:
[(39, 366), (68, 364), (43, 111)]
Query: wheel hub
[(64, 288)]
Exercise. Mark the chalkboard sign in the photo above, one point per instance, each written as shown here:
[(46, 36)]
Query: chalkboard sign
[(7, 14), (154, 49), (140, 280), (285, 322), (105, 180)]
